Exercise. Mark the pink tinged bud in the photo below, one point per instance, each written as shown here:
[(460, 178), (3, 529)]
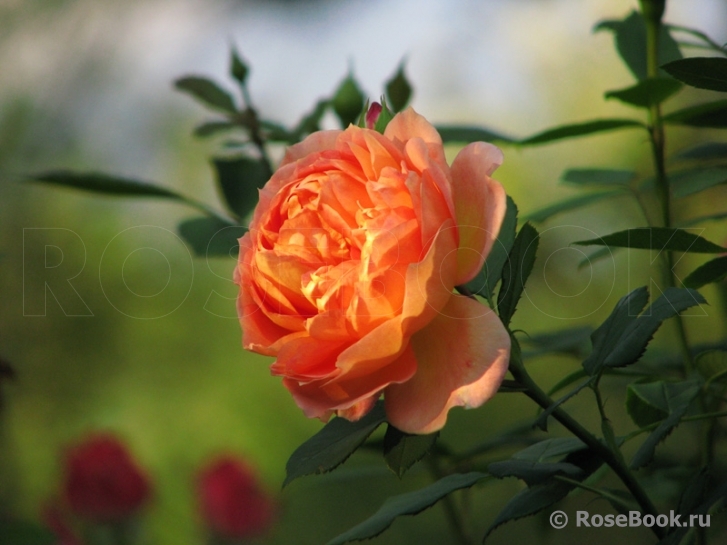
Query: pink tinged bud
[(373, 115)]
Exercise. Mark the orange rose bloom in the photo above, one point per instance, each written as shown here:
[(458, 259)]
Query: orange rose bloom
[(347, 274)]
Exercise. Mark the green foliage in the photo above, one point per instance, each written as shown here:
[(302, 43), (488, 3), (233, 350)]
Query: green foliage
[(574, 203), (403, 450), (656, 238), (516, 270), (491, 272), (707, 151), (411, 503), (568, 341), (533, 472), (712, 271), (578, 129), (598, 176), (710, 115), (17, 532), (207, 92), (384, 118), (712, 365), (211, 237), (103, 183), (689, 182), (630, 37), (239, 180), (646, 93), (332, 445), (701, 72), (238, 69), (398, 90), (465, 135), (348, 101)]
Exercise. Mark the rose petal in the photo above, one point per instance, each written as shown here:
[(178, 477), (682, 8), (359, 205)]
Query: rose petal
[(313, 143), (462, 357), (480, 205), (409, 124)]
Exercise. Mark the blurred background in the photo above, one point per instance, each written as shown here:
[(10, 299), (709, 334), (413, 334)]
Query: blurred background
[(143, 341)]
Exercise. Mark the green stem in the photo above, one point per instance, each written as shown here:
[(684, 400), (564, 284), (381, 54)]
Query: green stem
[(653, 11), (606, 454), (693, 418)]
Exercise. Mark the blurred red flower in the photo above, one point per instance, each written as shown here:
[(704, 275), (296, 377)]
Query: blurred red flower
[(232, 502), (102, 481), (56, 521)]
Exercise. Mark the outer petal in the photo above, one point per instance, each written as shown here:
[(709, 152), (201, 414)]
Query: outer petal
[(409, 124), (315, 142), (479, 203), (462, 357)]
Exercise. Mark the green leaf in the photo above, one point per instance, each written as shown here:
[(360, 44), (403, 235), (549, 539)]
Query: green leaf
[(656, 238), (239, 179), (411, 503), (643, 403), (573, 203), (712, 271), (207, 92), (630, 37), (489, 275), (213, 127), (549, 449), (706, 152), (542, 420), (598, 176), (701, 219), (593, 257), (17, 532), (385, 117), (403, 450), (701, 72), (578, 129), (646, 93), (211, 237), (569, 341), (567, 380), (605, 337), (104, 183), (677, 398), (712, 365), (238, 69), (515, 273), (689, 182), (711, 115), (398, 90), (533, 473), (310, 123), (466, 134), (332, 445), (348, 101)]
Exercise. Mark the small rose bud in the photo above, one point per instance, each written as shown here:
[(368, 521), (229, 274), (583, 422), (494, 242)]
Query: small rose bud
[(232, 502), (373, 115), (103, 483)]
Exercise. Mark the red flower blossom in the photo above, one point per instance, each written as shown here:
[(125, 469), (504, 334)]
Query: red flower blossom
[(102, 482), (231, 500)]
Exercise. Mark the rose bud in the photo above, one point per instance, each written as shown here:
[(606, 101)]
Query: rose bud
[(347, 273), (103, 484), (232, 503)]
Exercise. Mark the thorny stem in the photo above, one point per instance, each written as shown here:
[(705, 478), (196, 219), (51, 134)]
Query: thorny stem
[(612, 459), (653, 11)]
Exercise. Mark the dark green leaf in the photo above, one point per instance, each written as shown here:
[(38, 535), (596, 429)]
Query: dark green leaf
[(578, 129), (608, 334), (17, 532), (705, 152), (238, 69), (711, 271), (598, 176), (593, 257), (398, 90), (408, 504), (104, 183), (573, 203), (515, 273), (630, 37), (403, 450), (646, 93), (711, 115), (211, 237), (656, 238), (348, 101), (678, 400), (646, 403), (567, 380), (489, 275), (550, 448), (565, 341), (701, 72), (208, 92), (542, 420), (332, 445), (533, 472), (310, 122), (466, 135), (712, 365), (239, 179), (688, 182), (637, 334), (213, 127), (701, 219)]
